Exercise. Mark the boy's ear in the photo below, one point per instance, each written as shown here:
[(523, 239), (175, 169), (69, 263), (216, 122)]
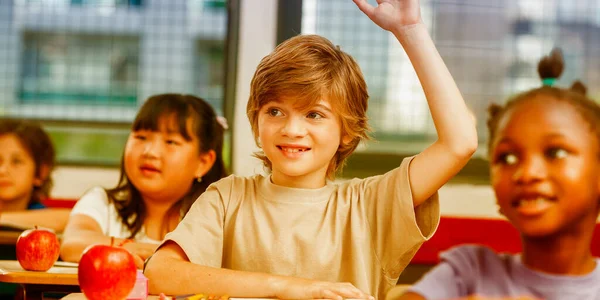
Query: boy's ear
[(42, 176), (207, 160), (346, 140)]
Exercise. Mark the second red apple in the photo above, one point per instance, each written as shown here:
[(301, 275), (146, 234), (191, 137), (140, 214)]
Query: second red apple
[(37, 249)]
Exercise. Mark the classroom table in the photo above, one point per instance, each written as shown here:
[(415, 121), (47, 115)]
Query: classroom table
[(80, 296), (9, 237), (60, 278)]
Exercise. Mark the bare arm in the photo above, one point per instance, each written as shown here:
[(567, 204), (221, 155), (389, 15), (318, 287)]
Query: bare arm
[(53, 218), (455, 126), (83, 231), (170, 272)]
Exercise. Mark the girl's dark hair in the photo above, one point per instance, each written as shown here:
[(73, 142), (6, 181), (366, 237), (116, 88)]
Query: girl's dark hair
[(38, 145), (550, 68), (126, 197)]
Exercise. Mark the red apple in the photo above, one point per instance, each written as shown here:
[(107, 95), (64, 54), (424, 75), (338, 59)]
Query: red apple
[(106, 272), (37, 249)]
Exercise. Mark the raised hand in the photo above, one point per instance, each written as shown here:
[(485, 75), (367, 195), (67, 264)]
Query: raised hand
[(392, 15)]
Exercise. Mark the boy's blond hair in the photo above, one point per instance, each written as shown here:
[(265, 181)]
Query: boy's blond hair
[(310, 68)]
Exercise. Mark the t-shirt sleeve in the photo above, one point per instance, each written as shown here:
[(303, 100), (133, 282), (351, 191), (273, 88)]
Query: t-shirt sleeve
[(439, 283), (200, 233), (397, 228), (94, 204), (456, 274)]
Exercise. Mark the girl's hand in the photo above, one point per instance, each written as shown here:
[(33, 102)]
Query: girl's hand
[(297, 288), (392, 15), (163, 297), (140, 252)]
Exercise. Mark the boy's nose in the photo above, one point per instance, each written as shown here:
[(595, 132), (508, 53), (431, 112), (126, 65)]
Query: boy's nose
[(294, 127), (530, 170)]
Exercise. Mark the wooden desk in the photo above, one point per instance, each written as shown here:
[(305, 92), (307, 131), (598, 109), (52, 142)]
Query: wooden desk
[(80, 296), (9, 237), (57, 279)]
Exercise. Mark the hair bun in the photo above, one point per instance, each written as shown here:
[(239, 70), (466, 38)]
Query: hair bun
[(552, 65), (578, 87), (494, 109)]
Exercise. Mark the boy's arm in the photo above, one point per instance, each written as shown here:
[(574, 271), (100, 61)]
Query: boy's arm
[(455, 126), (53, 218), (170, 272)]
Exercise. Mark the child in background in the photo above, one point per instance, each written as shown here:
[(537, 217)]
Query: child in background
[(26, 163), (174, 152), (544, 152), (293, 234)]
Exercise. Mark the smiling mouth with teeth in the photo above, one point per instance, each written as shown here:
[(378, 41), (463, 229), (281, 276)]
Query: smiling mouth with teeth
[(532, 202), (293, 150)]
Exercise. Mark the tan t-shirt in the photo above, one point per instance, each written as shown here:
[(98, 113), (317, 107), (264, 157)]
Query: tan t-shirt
[(363, 231)]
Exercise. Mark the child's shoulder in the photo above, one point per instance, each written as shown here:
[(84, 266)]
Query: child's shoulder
[(470, 250), (398, 173), (96, 192), (237, 183), (237, 180), (474, 255), (94, 199)]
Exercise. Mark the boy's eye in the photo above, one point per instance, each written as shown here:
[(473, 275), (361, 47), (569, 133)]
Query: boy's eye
[(274, 112), (140, 137), (556, 152), (508, 159), (314, 115)]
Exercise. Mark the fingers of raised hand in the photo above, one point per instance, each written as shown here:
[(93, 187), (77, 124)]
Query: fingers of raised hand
[(365, 7)]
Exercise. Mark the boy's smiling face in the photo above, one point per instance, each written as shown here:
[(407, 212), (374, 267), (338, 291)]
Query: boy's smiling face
[(299, 142)]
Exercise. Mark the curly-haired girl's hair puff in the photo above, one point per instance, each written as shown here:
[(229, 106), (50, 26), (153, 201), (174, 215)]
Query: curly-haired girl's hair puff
[(549, 67)]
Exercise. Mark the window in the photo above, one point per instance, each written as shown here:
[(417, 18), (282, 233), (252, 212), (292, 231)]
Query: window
[(65, 3), (79, 69), (108, 2), (83, 67), (210, 72)]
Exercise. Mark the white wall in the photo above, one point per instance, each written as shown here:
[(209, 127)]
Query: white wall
[(456, 200), (72, 182)]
